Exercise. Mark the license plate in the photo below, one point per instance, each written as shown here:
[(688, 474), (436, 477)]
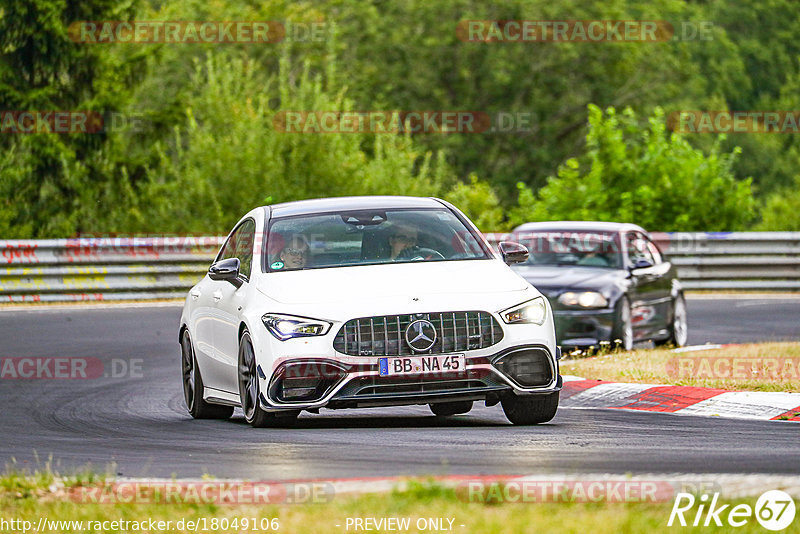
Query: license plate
[(420, 365)]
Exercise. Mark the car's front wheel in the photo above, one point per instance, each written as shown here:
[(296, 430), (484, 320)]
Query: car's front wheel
[(622, 333), (530, 410), (193, 385), (444, 409), (679, 329), (249, 391)]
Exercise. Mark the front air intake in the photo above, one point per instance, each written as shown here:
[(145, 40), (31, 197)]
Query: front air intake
[(528, 367), (304, 381)]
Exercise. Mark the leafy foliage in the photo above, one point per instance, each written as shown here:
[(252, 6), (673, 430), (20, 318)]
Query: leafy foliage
[(208, 150), (229, 157), (641, 174), (479, 202), (781, 210)]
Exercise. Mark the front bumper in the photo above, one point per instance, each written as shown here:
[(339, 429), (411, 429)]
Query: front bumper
[(360, 385), (583, 328)]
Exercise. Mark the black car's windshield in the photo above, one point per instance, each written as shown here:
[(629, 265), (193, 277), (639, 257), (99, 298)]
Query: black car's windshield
[(369, 237), (578, 248)]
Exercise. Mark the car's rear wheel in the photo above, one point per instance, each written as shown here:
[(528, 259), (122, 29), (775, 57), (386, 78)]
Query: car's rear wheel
[(444, 409), (530, 410), (193, 385), (622, 333), (249, 391)]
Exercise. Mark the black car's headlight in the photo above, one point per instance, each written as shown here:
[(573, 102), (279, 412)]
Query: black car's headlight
[(531, 312), (286, 327), (583, 299)]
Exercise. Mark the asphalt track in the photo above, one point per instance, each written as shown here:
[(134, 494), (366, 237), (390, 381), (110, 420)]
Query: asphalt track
[(135, 424)]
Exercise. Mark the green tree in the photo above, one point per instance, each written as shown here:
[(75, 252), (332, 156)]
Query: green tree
[(230, 157), (52, 180), (407, 55), (479, 202), (781, 210), (644, 175)]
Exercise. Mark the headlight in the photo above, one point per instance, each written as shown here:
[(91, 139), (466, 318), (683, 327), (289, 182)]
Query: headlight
[(534, 311), (584, 299), (286, 327)]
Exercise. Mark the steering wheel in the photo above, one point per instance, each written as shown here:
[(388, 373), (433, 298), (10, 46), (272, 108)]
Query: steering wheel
[(420, 254)]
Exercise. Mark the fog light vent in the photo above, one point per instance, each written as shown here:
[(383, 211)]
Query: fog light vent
[(527, 367), (304, 382)]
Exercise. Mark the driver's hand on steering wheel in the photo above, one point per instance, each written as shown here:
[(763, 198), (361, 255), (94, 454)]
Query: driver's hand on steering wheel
[(415, 253)]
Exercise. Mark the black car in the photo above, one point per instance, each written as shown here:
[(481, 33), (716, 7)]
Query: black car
[(606, 282)]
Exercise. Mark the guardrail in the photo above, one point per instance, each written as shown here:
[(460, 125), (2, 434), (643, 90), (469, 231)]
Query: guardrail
[(87, 269), (91, 269)]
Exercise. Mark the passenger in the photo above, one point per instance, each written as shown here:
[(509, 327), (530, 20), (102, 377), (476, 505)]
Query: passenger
[(403, 237), (295, 254)]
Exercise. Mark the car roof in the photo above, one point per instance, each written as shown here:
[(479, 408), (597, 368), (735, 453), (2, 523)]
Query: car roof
[(579, 226), (336, 204)]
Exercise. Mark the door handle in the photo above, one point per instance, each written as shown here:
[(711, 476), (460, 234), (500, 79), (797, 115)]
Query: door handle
[(217, 295), (195, 294)]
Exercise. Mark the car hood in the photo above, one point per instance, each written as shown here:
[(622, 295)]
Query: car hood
[(481, 283), (549, 278)]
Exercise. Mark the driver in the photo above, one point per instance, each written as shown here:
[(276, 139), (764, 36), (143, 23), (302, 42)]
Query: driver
[(403, 237), (295, 254), (593, 254)]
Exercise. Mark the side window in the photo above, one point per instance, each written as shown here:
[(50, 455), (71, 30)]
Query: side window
[(655, 252), (244, 246), (240, 245), (229, 249), (637, 247)]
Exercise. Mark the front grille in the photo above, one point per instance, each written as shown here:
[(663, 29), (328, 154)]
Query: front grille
[(386, 335)]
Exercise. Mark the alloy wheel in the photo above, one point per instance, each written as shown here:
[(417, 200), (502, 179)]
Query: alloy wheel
[(189, 370), (627, 326), (680, 327), (248, 378)]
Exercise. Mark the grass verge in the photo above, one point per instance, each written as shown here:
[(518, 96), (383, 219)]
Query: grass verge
[(31, 498), (751, 367)]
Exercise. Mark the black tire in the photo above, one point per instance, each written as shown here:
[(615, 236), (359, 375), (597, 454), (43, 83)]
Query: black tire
[(193, 385), (679, 325), (444, 409), (622, 333), (249, 391), (530, 410)]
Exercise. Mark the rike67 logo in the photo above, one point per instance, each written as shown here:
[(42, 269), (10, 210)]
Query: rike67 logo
[(774, 510)]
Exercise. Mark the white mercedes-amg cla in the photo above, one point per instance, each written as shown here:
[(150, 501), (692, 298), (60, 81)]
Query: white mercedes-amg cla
[(365, 301)]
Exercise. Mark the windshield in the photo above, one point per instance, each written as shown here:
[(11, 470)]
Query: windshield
[(368, 238), (582, 249)]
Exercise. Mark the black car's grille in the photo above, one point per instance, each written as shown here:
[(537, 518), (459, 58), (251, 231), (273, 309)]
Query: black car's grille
[(386, 335)]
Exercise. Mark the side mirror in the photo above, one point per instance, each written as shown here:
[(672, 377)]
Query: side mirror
[(512, 252), (226, 270), (641, 264)]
